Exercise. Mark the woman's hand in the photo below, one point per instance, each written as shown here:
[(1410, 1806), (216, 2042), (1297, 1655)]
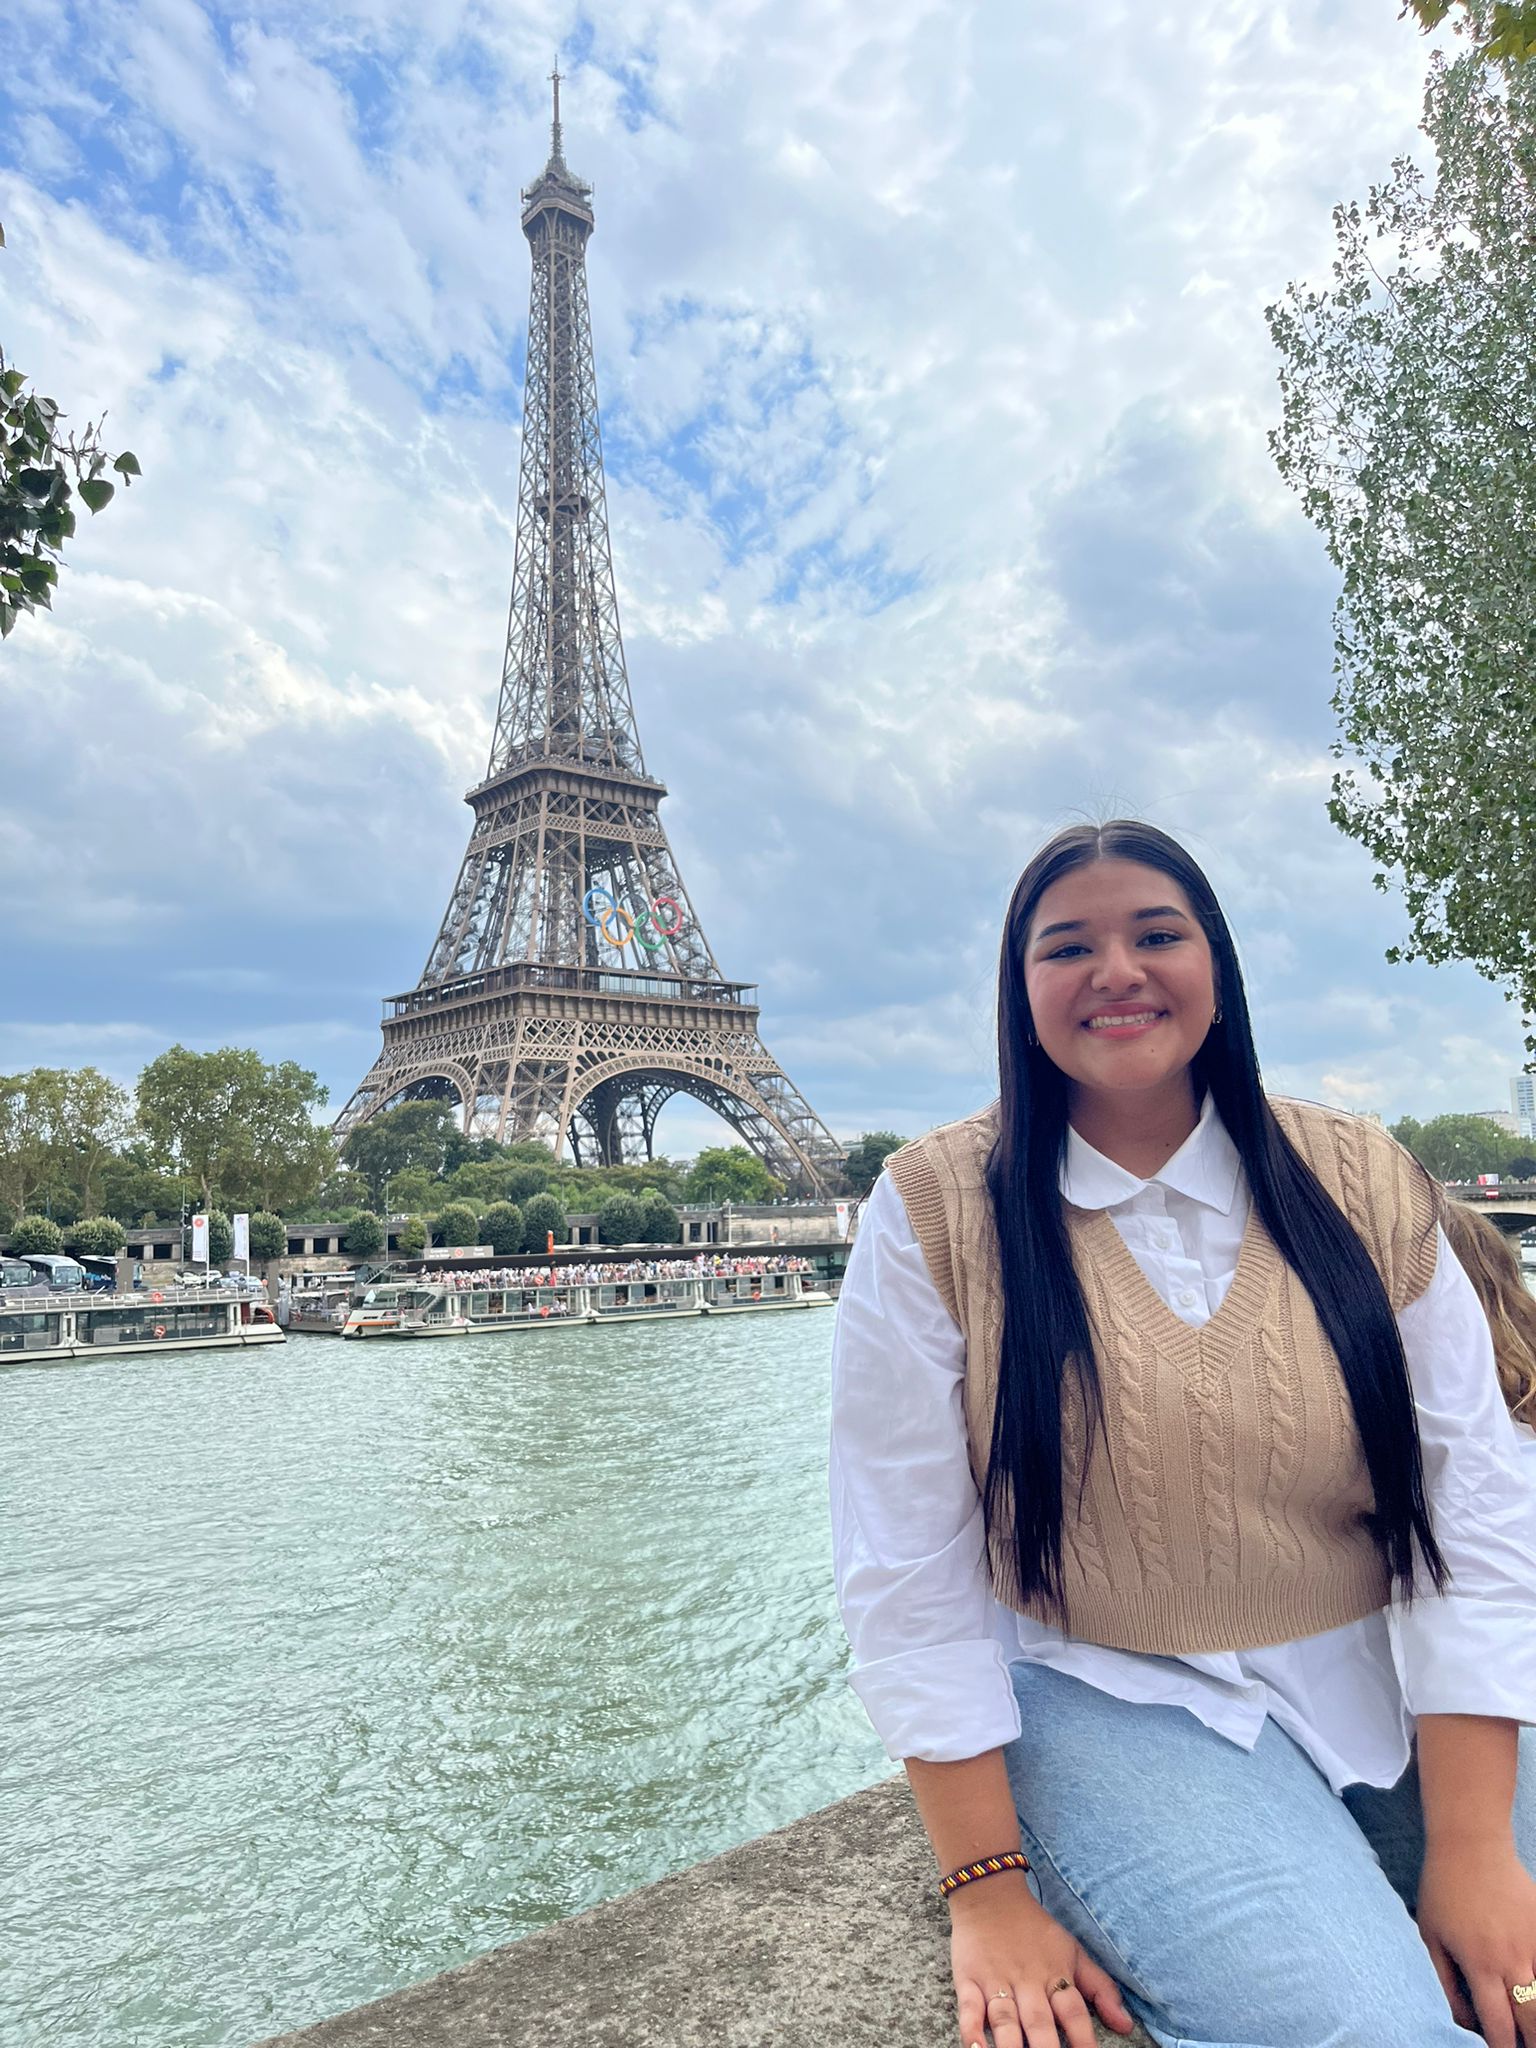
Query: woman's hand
[(1007, 1941), (1477, 1915)]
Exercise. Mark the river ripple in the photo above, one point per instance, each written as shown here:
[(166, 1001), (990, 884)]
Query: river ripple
[(328, 1666)]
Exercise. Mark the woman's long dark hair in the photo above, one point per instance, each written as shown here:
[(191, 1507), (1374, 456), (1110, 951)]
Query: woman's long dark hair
[(1045, 1321)]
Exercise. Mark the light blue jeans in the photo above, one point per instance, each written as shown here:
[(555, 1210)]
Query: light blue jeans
[(1237, 1900)]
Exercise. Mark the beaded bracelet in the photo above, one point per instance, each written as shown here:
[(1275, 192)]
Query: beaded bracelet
[(968, 1873)]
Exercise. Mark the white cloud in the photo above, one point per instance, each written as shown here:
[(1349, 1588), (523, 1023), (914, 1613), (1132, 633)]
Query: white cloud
[(935, 383)]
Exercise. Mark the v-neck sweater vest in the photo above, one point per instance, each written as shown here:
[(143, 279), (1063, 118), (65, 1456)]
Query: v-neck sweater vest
[(1226, 1504)]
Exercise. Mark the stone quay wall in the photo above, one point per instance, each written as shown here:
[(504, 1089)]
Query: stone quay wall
[(828, 1933)]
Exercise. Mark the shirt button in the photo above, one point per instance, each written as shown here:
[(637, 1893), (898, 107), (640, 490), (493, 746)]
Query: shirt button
[(1187, 1298)]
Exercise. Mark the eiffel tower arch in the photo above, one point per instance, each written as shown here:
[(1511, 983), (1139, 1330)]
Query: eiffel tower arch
[(570, 992)]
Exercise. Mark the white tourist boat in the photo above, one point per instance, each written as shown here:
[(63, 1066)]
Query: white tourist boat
[(38, 1327), (317, 1303), (646, 1292)]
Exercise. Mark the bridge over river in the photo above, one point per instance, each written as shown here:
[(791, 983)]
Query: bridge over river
[(1511, 1205)]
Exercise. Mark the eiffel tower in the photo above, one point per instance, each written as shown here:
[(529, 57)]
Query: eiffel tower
[(570, 992)]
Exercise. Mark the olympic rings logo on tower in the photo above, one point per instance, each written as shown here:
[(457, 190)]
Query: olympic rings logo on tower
[(603, 912)]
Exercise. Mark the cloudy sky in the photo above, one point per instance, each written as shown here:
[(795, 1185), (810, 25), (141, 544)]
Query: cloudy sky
[(935, 386)]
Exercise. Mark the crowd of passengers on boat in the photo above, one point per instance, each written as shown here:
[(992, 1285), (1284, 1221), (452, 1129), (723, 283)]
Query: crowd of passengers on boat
[(706, 1266)]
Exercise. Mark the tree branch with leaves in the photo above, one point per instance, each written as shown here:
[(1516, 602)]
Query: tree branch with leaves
[(42, 472)]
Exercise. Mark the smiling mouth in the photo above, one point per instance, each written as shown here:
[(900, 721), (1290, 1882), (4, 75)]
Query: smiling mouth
[(1133, 1020)]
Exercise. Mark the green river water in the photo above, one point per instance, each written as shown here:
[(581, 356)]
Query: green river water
[(325, 1666)]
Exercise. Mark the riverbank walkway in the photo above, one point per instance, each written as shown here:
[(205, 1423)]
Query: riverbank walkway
[(828, 1933)]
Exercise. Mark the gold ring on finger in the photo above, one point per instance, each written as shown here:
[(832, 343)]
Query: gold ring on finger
[(1524, 1994), (1004, 1993), (1061, 1984)]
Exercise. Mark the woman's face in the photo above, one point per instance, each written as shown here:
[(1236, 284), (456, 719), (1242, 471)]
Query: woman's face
[(1119, 976)]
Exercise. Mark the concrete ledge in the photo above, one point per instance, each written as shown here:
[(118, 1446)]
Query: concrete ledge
[(826, 1932)]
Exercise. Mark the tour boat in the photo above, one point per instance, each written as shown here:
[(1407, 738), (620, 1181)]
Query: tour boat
[(39, 1329), (317, 1303), (434, 1306)]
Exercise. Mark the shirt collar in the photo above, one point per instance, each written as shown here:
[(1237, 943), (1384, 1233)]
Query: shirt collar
[(1205, 1168)]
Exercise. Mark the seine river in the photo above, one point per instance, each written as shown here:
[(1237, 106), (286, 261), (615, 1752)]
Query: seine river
[(327, 1666)]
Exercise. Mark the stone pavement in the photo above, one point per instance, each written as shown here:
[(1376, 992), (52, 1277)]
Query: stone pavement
[(828, 1931)]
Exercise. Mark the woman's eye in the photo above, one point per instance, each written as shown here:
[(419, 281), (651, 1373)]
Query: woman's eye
[(1147, 938), (1065, 952)]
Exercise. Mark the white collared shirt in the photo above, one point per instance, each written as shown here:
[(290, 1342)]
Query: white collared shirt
[(931, 1642)]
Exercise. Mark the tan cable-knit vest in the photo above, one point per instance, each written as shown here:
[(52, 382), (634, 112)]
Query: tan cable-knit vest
[(1230, 1508)]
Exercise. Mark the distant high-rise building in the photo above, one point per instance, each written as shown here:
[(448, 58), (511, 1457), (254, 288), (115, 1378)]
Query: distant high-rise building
[(1522, 1100)]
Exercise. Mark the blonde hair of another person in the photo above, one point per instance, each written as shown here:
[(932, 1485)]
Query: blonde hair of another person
[(1493, 1267)]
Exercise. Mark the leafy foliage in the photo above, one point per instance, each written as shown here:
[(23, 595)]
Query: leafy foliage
[(59, 1128), (269, 1238), (659, 1222), (501, 1227), (866, 1158), (41, 473), (1409, 410), (621, 1220), (411, 1237), (412, 1135), (457, 1224), (730, 1173), (236, 1126), (97, 1236), (221, 1238), (365, 1235), (1459, 1147), (36, 1234), (1507, 30), (541, 1215)]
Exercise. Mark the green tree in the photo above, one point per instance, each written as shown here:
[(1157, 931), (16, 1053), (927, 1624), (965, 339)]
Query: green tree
[(36, 1234), (501, 1227), (621, 1219), (730, 1173), (658, 1219), (221, 1238), (41, 473), (269, 1236), (97, 1236), (412, 1134), (413, 1188), (1459, 1147), (30, 1106), (411, 1237), (866, 1158), (134, 1190), (457, 1224), (232, 1124), (1521, 1167), (523, 1180), (365, 1235), (1408, 412), (541, 1215), (95, 1120), (1504, 31)]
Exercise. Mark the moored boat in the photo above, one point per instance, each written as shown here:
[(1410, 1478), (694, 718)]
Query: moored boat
[(648, 1290), (41, 1328)]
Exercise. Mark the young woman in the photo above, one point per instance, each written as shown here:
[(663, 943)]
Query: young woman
[(1493, 1266), (1181, 1533)]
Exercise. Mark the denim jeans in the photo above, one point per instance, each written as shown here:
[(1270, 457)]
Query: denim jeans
[(1237, 1899)]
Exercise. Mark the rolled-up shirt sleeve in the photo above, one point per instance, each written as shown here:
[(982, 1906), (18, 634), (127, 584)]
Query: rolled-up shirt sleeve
[(1471, 1650), (907, 1532)]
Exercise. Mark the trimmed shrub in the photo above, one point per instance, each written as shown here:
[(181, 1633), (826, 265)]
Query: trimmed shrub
[(36, 1234), (659, 1222), (501, 1227), (269, 1236), (221, 1238), (621, 1220), (365, 1236), (411, 1237), (541, 1215), (458, 1224), (97, 1236)]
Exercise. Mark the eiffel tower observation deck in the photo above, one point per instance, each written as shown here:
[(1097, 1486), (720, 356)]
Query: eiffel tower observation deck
[(570, 992)]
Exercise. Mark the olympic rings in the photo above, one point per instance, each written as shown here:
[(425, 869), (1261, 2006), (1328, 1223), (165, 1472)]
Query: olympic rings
[(603, 911)]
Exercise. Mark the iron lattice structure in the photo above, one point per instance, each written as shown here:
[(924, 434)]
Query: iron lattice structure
[(570, 991)]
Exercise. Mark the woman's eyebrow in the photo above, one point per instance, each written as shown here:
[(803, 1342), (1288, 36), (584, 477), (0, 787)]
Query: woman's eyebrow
[(1076, 924)]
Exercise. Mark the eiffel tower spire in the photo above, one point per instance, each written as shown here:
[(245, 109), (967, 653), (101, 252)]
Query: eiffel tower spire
[(570, 992)]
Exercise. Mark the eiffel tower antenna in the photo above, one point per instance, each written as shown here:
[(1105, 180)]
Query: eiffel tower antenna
[(570, 992)]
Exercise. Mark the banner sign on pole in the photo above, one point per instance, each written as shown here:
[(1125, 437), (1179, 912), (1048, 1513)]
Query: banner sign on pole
[(241, 1226), (842, 1221), (200, 1238)]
